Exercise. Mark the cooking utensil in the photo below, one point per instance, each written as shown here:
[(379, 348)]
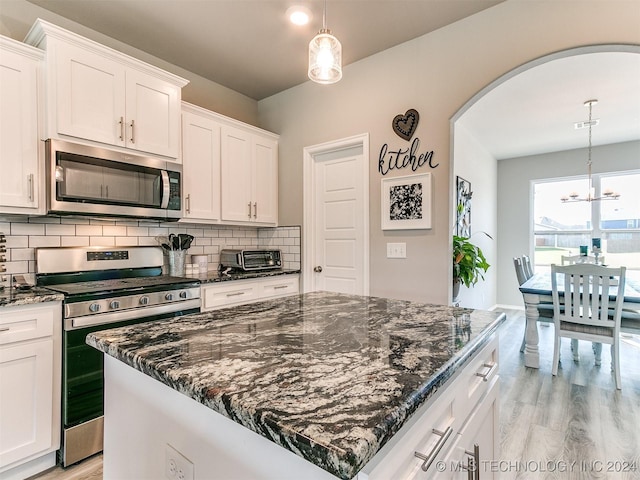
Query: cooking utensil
[(185, 241)]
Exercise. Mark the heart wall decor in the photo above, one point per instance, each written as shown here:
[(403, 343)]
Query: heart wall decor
[(405, 125)]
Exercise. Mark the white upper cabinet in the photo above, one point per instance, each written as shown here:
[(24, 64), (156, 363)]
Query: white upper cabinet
[(20, 159), (101, 95), (249, 176), (201, 165)]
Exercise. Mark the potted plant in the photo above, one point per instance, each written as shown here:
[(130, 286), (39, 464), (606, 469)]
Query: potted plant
[(469, 264)]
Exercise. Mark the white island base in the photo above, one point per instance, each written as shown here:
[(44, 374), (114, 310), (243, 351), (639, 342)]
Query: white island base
[(145, 420)]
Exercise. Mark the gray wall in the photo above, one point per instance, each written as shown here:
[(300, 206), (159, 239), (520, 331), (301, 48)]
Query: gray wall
[(515, 178), (435, 74)]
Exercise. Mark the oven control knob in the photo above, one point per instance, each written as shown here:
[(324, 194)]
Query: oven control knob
[(114, 305), (94, 307), (144, 300), (183, 294), (168, 296)]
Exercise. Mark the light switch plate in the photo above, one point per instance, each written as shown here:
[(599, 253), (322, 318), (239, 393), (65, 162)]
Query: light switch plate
[(396, 250)]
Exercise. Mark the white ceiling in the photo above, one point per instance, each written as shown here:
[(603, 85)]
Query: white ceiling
[(250, 47), (535, 111)]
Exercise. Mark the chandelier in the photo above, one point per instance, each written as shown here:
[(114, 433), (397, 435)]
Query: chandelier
[(590, 197), (325, 55)]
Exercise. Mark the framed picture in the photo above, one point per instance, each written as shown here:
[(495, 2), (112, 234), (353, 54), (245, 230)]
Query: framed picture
[(463, 207), (406, 202)]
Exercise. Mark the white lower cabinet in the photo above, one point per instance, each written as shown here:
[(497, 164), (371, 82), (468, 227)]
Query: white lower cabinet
[(30, 358), (440, 440), (238, 292)]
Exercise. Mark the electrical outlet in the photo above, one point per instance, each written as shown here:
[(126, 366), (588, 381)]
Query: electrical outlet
[(396, 250), (177, 466)]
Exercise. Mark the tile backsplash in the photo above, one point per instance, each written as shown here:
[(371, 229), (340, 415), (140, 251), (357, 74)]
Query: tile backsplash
[(25, 234)]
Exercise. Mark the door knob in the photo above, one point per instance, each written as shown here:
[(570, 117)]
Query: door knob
[(317, 269)]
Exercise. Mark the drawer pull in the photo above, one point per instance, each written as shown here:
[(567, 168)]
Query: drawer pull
[(473, 463), (428, 459), (278, 287), (234, 294), (485, 376), (4, 329)]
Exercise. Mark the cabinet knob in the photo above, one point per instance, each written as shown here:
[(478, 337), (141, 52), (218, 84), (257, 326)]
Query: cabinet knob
[(114, 304), (317, 269), (168, 296), (144, 300), (94, 307)]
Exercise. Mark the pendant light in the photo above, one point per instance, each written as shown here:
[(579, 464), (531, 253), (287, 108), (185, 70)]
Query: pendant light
[(325, 55), (590, 197)]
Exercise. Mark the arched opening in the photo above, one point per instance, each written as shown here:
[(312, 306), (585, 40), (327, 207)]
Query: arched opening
[(526, 114)]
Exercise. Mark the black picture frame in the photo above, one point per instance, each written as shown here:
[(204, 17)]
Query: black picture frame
[(463, 207)]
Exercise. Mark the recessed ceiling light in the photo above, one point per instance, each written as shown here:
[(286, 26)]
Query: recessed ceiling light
[(298, 15)]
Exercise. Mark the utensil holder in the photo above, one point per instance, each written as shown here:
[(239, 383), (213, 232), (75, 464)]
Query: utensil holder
[(176, 262)]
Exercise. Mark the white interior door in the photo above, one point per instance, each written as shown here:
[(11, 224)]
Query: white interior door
[(336, 221)]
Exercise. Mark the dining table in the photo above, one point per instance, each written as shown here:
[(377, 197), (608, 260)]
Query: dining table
[(537, 290)]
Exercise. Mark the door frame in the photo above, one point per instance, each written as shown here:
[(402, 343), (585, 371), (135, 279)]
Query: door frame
[(309, 195)]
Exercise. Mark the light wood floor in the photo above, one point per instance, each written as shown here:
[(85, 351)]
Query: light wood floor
[(575, 426)]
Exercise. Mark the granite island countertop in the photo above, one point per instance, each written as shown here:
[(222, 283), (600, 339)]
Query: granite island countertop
[(330, 377), (11, 297)]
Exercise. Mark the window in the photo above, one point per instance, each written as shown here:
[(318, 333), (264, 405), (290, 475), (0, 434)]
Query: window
[(561, 228)]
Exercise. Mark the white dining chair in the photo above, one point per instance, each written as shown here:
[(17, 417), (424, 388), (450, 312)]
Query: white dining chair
[(585, 310), (524, 273)]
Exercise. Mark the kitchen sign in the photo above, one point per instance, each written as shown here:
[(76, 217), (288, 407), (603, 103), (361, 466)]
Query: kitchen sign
[(404, 126)]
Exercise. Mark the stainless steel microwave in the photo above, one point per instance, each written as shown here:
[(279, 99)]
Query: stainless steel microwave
[(86, 180)]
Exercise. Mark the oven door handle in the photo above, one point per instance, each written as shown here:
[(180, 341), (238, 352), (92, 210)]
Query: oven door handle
[(135, 313), (166, 190)]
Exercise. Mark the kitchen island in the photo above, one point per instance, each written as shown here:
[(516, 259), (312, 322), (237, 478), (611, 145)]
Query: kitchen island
[(328, 382)]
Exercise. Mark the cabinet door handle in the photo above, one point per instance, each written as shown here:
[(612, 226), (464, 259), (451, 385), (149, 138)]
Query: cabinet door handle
[(187, 207), (485, 376), (249, 209), (132, 132), (473, 463), (255, 209), (30, 186), (121, 123), (431, 456), (106, 189)]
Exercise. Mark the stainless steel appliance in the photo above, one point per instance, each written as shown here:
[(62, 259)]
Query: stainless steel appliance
[(96, 181), (248, 260), (103, 287)]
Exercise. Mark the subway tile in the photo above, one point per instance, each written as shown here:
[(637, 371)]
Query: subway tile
[(89, 230), (196, 232), (74, 241), (14, 220), (102, 241), (74, 220), (126, 241), (59, 229), (137, 231), (16, 267), (17, 241), (232, 242), (19, 254), (5, 227), (225, 233), (44, 220), (212, 233), (202, 241), (36, 241), (27, 229), (210, 250), (149, 223), (196, 250), (101, 221), (148, 241), (158, 231), (127, 223), (114, 230)]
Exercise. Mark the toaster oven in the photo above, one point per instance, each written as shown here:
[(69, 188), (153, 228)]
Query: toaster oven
[(248, 260)]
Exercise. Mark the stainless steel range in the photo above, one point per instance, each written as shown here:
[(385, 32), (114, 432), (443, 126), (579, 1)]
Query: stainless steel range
[(104, 287)]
